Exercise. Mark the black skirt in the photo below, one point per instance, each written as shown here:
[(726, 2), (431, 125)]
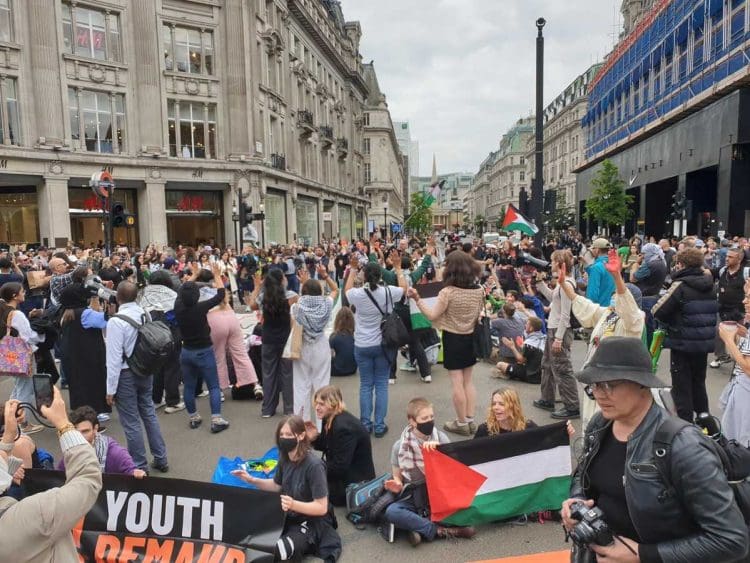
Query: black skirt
[(458, 351)]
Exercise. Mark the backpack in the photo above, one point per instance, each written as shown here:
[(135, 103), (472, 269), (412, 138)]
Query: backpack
[(735, 460), (394, 332), (366, 501), (574, 322), (154, 346)]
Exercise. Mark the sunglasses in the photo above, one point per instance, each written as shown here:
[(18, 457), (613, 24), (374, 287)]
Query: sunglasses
[(606, 387)]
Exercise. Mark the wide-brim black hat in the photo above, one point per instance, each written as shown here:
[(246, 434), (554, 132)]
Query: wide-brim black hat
[(620, 358)]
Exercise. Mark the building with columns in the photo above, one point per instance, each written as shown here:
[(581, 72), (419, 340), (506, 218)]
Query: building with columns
[(190, 104), (384, 177), (479, 199)]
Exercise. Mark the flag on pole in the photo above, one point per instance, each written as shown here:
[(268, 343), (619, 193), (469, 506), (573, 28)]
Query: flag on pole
[(499, 477), (434, 193), (514, 220), (428, 292)]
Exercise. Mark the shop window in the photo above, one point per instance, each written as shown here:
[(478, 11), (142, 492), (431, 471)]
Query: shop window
[(188, 50), (97, 119), (275, 223), (19, 215), (96, 33), (192, 129)]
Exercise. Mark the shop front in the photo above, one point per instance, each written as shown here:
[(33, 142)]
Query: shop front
[(87, 218), (359, 223), (329, 230), (194, 217), (345, 222), (19, 215), (307, 221), (275, 223)]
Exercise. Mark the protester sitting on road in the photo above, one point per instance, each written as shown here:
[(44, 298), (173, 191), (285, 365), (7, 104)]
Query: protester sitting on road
[(344, 441), (509, 325), (687, 514), (38, 528), (410, 511), (113, 458), (623, 317), (341, 342), (312, 370), (301, 480), (504, 414), (526, 364)]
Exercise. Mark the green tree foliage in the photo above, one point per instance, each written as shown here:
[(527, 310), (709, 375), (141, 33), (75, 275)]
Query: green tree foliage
[(420, 220), (609, 204)]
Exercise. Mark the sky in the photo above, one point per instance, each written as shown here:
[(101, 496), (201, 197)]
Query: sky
[(462, 71)]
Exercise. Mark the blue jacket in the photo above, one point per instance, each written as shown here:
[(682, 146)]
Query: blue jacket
[(601, 285)]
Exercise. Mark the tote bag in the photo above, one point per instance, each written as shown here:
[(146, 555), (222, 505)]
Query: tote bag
[(16, 354), (293, 346)]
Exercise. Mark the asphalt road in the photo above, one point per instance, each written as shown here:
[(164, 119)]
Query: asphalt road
[(193, 455)]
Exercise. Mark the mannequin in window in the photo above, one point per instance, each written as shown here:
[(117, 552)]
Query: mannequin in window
[(186, 152)]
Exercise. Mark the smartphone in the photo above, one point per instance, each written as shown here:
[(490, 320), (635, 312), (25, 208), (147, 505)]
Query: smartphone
[(42, 390)]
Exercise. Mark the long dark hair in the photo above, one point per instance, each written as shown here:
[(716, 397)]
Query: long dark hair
[(461, 270), (275, 304), (373, 275), (8, 292), (297, 426)]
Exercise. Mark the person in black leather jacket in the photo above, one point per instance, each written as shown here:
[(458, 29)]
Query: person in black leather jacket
[(695, 520), (688, 310)]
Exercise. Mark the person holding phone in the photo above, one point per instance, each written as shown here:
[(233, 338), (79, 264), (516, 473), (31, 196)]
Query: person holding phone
[(12, 295)]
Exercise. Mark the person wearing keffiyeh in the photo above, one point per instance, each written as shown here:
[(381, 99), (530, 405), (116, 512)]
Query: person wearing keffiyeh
[(312, 370)]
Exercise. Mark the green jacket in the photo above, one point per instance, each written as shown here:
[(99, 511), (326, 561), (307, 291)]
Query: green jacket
[(389, 276)]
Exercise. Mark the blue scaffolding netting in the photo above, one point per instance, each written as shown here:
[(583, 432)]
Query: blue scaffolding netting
[(681, 49)]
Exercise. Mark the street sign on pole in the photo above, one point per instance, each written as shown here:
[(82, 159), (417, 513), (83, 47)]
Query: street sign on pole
[(396, 227)]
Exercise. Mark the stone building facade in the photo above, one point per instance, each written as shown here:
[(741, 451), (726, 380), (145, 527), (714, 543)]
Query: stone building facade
[(191, 104), (384, 175)]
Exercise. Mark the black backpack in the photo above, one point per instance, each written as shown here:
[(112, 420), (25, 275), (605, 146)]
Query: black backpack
[(154, 346), (735, 459), (394, 332)]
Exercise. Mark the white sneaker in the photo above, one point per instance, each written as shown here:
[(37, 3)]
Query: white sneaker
[(160, 404), (177, 408), (203, 393), (391, 382), (407, 367), (223, 398), (103, 417), (426, 379), (715, 364)]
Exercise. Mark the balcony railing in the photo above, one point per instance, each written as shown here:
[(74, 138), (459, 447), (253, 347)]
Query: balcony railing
[(342, 144), (326, 135), (306, 118), (278, 161)]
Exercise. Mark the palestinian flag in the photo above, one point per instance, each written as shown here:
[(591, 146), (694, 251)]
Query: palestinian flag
[(434, 193), (514, 220), (428, 292), (490, 479)]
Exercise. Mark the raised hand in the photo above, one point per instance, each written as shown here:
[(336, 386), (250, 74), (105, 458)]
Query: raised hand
[(614, 262), (562, 273)]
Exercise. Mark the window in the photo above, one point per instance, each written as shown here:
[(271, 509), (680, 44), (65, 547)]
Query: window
[(96, 35), (522, 176), (9, 118), (194, 134), (366, 119), (522, 160), (367, 173), (6, 21), (188, 50), (366, 146), (93, 118)]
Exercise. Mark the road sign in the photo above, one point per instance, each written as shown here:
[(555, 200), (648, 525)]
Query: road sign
[(102, 184), (396, 227)]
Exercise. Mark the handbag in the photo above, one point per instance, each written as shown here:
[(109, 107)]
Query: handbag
[(16, 355), (394, 332), (481, 338), (293, 346)]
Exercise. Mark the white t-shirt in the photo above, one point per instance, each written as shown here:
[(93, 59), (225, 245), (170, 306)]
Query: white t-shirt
[(367, 319)]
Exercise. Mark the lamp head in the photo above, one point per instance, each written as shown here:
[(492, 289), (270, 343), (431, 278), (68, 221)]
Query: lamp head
[(540, 23)]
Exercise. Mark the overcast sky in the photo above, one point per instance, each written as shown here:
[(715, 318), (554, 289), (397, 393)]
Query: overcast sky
[(462, 71)]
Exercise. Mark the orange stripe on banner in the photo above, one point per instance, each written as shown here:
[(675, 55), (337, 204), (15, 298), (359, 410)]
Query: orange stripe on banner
[(551, 557)]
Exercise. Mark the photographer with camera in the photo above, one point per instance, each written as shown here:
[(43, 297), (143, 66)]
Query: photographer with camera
[(622, 509), (38, 528)]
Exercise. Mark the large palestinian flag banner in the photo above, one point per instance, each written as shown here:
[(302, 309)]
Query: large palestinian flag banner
[(491, 479), (428, 292)]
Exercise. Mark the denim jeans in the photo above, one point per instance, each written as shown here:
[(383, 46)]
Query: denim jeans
[(374, 369), (403, 515), (134, 405), (23, 391), (196, 364)]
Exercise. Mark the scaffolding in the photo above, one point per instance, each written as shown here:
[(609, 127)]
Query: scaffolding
[(680, 50)]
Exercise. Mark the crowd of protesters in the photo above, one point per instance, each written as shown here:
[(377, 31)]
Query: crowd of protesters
[(80, 311)]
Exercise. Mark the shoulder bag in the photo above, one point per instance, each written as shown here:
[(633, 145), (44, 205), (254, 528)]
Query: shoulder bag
[(16, 355), (394, 332)]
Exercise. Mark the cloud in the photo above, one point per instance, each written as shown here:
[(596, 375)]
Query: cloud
[(462, 71)]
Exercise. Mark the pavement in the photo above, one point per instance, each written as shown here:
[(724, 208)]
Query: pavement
[(193, 455)]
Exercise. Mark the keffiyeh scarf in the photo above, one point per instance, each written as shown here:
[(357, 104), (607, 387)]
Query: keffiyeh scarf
[(313, 312), (410, 460)]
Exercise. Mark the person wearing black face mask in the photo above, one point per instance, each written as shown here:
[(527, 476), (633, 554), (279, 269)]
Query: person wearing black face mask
[(344, 441), (411, 511), (301, 479)]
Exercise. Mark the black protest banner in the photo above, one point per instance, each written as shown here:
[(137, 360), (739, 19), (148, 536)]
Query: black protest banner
[(172, 520)]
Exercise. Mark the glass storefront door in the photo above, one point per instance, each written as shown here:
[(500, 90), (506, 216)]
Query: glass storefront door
[(194, 217), (19, 215), (275, 223), (307, 221)]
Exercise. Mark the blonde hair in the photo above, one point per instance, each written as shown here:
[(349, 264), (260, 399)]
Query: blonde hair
[(416, 405), (331, 396), (512, 403)]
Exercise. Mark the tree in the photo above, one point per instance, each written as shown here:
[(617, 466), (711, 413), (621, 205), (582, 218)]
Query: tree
[(609, 204), (420, 219), (563, 216)]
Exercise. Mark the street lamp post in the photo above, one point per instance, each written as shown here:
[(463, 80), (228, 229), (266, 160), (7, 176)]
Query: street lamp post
[(262, 225), (235, 219), (537, 186), (385, 220)]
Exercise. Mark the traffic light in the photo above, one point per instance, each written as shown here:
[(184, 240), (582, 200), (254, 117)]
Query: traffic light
[(120, 216), (679, 205), (246, 215)]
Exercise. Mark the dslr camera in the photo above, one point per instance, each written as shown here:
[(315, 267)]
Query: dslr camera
[(525, 259), (96, 288), (591, 527)]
